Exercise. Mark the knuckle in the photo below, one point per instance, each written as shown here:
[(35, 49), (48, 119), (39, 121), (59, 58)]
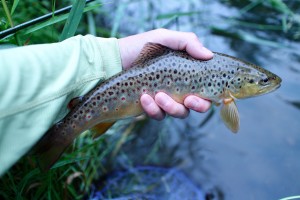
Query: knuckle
[(192, 36), (161, 30)]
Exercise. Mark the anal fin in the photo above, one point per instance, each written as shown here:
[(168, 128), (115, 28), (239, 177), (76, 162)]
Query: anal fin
[(101, 128), (230, 116)]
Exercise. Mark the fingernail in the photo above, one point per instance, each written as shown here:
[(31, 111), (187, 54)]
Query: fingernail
[(207, 52)]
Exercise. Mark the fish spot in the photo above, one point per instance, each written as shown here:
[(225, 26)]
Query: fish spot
[(104, 108)]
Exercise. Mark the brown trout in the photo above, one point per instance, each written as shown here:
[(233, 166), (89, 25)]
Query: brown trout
[(158, 69)]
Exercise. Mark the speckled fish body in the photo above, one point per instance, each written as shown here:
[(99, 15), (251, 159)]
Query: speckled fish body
[(158, 69)]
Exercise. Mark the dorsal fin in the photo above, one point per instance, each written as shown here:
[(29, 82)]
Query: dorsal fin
[(149, 51)]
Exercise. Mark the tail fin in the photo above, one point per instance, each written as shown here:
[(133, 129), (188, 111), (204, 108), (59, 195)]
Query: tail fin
[(48, 158), (50, 147)]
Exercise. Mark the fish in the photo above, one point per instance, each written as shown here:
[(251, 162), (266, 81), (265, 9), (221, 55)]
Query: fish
[(222, 80)]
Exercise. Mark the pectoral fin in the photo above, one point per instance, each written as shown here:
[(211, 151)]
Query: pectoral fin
[(230, 115), (101, 128), (74, 102)]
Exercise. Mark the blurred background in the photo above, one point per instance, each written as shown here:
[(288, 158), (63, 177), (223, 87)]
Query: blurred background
[(260, 162)]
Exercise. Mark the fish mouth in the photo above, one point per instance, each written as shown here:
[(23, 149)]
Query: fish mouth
[(269, 88)]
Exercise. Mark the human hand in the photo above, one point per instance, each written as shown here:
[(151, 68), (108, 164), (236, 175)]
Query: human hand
[(131, 46)]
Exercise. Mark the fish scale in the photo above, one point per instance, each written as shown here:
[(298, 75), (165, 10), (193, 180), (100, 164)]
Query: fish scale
[(159, 69)]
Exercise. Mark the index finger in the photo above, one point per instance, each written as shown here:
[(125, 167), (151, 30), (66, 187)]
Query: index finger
[(187, 41)]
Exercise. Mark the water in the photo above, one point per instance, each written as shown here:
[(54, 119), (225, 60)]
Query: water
[(262, 160)]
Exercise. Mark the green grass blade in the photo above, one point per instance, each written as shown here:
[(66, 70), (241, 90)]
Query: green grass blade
[(177, 14), (55, 20), (26, 179), (73, 20), (118, 17), (291, 198), (242, 35), (91, 23), (7, 13), (15, 4)]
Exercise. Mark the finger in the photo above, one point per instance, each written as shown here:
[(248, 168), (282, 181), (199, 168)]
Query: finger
[(151, 108), (170, 106), (196, 103), (185, 41)]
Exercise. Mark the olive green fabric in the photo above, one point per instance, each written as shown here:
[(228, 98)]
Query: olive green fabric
[(38, 81)]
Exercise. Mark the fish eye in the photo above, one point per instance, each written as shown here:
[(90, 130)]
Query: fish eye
[(264, 81), (251, 81)]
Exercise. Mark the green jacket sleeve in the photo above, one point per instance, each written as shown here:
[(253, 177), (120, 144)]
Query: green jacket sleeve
[(38, 81)]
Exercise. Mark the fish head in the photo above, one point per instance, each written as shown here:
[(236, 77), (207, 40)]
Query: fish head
[(255, 81)]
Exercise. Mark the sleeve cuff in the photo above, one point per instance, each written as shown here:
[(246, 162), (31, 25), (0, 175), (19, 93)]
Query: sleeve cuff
[(110, 56)]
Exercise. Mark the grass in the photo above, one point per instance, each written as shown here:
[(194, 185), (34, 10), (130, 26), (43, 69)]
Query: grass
[(71, 177)]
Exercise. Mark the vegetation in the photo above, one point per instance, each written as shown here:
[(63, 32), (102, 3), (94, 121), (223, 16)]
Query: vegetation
[(89, 159)]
